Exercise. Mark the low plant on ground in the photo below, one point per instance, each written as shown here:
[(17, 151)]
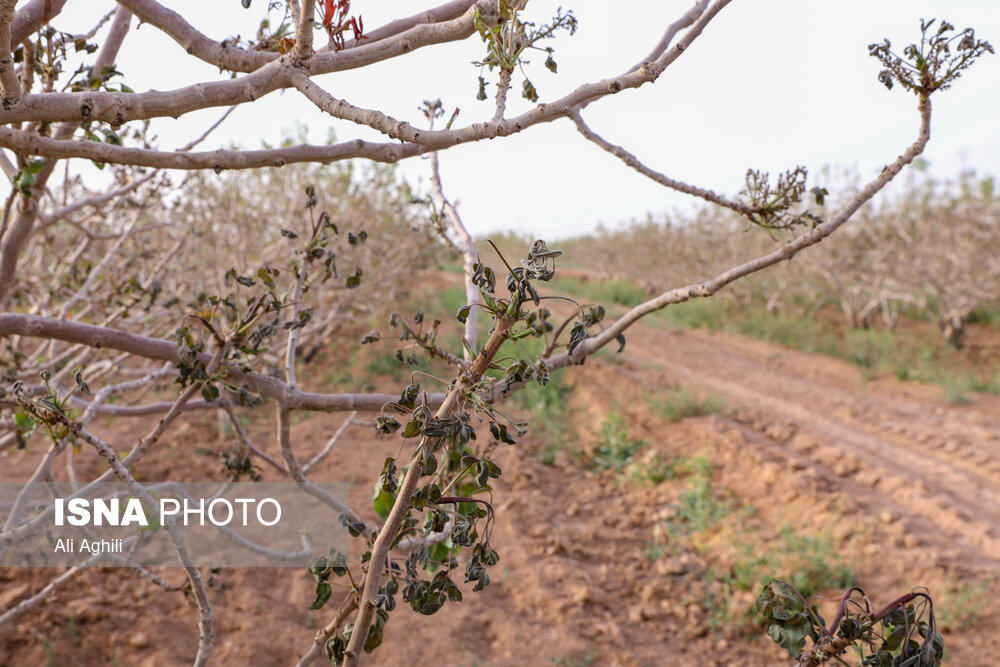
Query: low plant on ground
[(682, 402), (616, 449), (963, 603)]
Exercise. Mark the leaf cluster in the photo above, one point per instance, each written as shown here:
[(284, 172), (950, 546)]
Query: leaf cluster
[(933, 64), (901, 634), (508, 37)]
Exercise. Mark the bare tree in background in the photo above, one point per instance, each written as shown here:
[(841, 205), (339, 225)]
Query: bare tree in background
[(97, 295)]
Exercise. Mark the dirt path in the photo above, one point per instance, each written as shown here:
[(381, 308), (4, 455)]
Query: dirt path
[(889, 445)]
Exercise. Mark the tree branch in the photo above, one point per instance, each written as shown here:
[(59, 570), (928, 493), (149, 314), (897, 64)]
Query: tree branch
[(10, 87), (634, 162), (33, 16), (787, 251), (467, 252), (304, 30), (684, 21), (36, 326), (401, 506)]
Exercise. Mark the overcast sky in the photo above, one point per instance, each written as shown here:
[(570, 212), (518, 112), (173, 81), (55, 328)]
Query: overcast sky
[(769, 84)]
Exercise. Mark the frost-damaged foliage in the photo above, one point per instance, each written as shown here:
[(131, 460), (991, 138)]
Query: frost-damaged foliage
[(901, 634), (509, 36), (211, 291), (935, 63), (434, 513)]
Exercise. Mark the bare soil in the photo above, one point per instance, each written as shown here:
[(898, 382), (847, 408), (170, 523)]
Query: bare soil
[(904, 485)]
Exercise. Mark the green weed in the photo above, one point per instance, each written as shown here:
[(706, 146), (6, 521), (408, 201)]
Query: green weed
[(617, 449), (655, 468), (698, 509), (956, 389), (50, 654), (674, 405), (990, 385), (585, 661), (814, 562), (962, 604), (74, 632)]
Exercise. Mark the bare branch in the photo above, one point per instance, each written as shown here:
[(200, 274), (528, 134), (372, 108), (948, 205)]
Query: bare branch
[(241, 433), (304, 30), (33, 144), (223, 54), (118, 108), (235, 59), (33, 16), (446, 12), (112, 44), (35, 326), (206, 617), (787, 251), (467, 251), (634, 162), (93, 202), (689, 17), (328, 447), (347, 607), (503, 85), (114, 389), (9, 84), (41, 596)]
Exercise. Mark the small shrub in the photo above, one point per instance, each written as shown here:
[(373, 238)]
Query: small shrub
[(963, 604), (617, 449), (814, 562), (683, 402), (699, 507), (654, 468)]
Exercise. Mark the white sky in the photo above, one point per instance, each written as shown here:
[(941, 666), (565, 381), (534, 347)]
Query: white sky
[(769, 84)]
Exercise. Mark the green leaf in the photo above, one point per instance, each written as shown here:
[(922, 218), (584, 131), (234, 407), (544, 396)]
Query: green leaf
[(323, 593), (338, 562), (409, 396), (265, 276), (210, 392), (550, 63), (335, 646), (23, 421), (388, 424), (383, 503), (354, 280), (111, 137), (24, 180), (786, 617)]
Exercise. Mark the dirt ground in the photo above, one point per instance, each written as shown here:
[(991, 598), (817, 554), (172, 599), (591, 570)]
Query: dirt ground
[(902, 486)]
